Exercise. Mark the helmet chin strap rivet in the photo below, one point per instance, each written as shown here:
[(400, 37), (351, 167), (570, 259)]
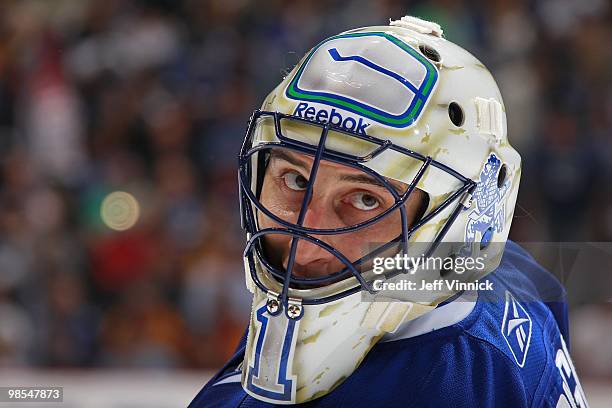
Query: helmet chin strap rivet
[(273, 306)]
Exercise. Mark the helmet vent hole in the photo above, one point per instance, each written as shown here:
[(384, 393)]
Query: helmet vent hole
[(430, 53), (501, 176), (455, 113)]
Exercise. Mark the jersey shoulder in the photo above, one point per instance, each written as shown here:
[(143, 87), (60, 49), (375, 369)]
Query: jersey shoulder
[(507, 351), (525, 319)]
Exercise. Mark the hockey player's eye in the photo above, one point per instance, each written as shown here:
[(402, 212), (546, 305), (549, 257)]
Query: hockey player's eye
[(295, 181), (364, 201)]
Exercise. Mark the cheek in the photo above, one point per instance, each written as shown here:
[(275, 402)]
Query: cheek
[(384, 230), (364, 241), (266, 199), (273, 243), (350, 245), (273, 200), (264, 221), (356, 245), (275, 246)]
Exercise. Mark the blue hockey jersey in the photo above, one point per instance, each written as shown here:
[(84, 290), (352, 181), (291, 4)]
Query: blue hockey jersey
[(502, 348)]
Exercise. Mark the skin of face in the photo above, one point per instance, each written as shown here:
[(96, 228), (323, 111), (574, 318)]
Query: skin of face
[(342, 196)]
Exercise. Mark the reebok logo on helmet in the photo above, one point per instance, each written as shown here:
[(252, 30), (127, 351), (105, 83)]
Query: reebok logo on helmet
[(306, 111)]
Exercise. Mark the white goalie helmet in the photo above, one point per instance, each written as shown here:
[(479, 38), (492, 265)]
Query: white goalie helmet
[(395, 105)]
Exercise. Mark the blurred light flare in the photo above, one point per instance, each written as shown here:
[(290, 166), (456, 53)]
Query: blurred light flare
[(120, 211)]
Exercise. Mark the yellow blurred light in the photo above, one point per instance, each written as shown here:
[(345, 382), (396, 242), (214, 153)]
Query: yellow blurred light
[(120, 210)]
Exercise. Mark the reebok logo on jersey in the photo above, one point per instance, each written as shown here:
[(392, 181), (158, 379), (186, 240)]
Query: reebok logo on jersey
[(306, 111), (516, 329)]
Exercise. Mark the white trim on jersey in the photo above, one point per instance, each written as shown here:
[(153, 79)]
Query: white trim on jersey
[(230, 379), (438, 318)]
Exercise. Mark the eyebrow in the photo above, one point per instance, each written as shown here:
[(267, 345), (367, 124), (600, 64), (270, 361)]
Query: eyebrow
[(400, 188), (279, 154), (365, 179)]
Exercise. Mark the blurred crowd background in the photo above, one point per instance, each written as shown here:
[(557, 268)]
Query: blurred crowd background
[(152, 97)]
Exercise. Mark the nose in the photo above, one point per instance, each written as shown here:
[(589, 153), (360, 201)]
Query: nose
[(310, 258), (308, 254)]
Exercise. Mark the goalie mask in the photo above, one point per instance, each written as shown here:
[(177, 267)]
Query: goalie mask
[(382, 140)]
